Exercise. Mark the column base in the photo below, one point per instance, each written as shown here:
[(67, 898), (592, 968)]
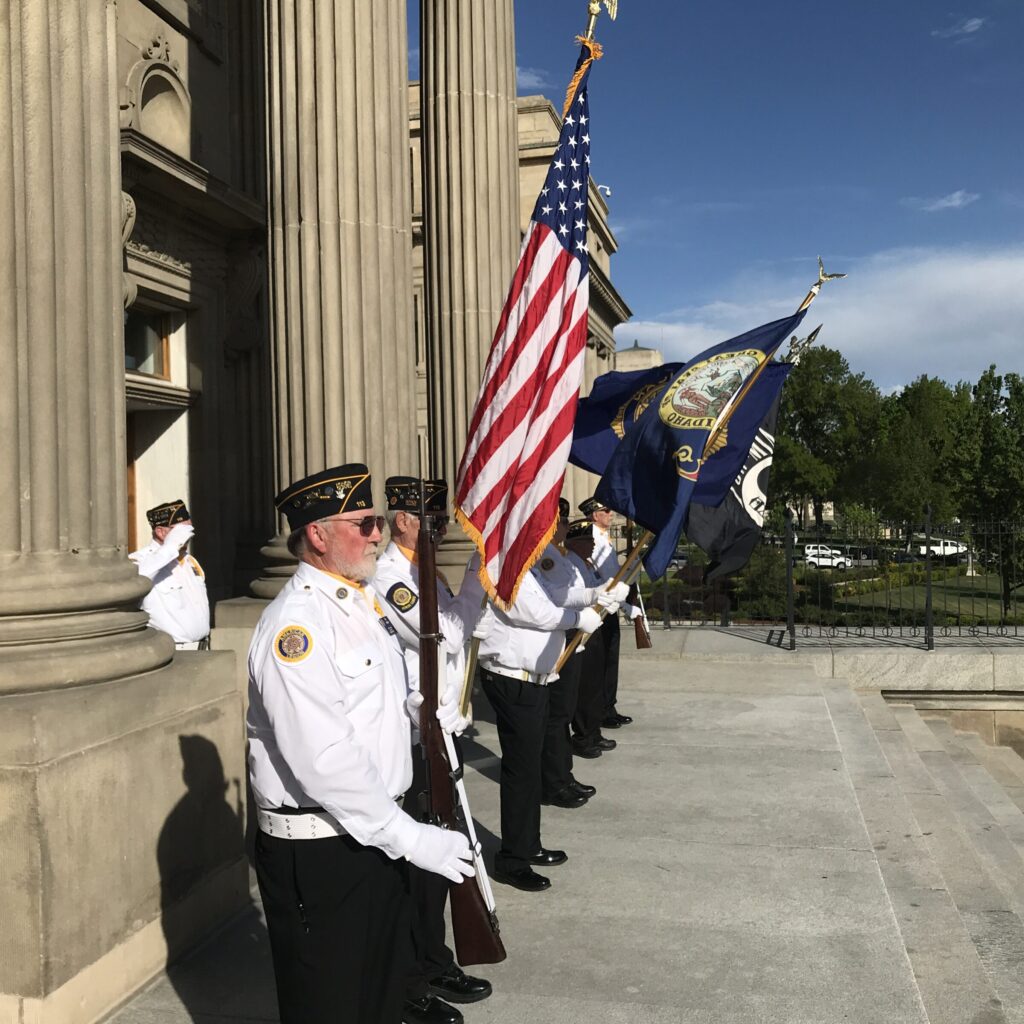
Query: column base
[(122, 817)]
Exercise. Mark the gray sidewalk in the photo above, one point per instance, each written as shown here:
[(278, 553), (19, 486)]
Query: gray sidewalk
[(722, 874)]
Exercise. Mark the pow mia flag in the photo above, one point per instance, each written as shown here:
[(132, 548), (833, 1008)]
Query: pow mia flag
[(729, 533)]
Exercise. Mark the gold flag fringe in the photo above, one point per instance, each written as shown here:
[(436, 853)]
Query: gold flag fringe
[(485, 580), (596, 53)]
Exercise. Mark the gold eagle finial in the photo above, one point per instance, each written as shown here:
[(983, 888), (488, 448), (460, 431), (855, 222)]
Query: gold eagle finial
[(823, 277), (594, 9)]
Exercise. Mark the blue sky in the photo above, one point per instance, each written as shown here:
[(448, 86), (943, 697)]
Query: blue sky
[(741, 139)]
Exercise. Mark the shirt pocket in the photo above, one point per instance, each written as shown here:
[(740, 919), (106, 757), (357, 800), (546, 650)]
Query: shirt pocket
[(362, 672)]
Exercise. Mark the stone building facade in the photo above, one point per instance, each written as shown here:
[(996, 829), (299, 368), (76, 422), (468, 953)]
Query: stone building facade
[(227, 261)]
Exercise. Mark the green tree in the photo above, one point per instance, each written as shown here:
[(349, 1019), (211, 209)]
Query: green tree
[(912, 463), (990, 472), (827, 419)]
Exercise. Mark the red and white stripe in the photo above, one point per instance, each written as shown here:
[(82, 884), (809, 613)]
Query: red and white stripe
[(519, 438)]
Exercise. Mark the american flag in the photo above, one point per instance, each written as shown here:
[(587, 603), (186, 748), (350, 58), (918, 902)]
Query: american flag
[(511, 473)]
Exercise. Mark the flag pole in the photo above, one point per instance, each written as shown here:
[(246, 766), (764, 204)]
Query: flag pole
[(627, 574), (594, 10)]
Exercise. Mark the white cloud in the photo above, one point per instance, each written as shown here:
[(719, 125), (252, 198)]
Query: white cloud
[(961, 30), (954, 201), (945, 312), (531, 78)]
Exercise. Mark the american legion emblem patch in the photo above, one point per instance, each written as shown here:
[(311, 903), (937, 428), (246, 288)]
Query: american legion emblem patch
[(402, 597), (293, 644)]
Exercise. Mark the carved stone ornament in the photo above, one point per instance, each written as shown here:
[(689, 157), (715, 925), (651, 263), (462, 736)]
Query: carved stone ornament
[(246, 282), (128, 213), (160, 49)]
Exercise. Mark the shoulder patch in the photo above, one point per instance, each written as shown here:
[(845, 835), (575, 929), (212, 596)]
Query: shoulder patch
[(548, 564), (293, 644), (402, 597)]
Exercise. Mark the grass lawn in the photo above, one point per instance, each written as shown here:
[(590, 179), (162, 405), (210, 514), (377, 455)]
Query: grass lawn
[(974, 596)]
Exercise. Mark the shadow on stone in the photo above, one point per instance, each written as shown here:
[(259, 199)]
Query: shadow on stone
[(202, 844)]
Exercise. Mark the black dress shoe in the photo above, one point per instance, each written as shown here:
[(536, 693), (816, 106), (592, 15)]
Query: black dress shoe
[(587, 791), (549, 858), (611, 722), (624, 719), (568, 796), (589, 752), (429, 1010), (458, 987), (606, 744), (522, 878)]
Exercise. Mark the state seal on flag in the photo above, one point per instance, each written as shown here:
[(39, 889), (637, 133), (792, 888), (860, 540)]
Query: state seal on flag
[(699, 395)]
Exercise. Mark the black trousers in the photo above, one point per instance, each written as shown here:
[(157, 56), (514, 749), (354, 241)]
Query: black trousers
[(556, 756), (610, 631), (339, 924), (521, 711), (590, 705), (429, 891)]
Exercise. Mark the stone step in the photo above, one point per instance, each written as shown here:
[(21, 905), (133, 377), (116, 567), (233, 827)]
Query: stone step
[(975, 858), (953, 984), (995, 761), (989, 790)]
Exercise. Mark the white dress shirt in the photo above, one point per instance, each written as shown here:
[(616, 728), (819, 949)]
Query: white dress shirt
[(327, 721), (177, 604), (606, 561), (563, 581), (397, 580), (530, 636)]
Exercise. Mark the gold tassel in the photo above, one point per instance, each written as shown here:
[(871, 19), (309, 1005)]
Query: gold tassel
[(596, 53)]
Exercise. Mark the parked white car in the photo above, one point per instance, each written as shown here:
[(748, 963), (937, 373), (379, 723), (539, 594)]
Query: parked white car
[(943, 548), (821, 556)]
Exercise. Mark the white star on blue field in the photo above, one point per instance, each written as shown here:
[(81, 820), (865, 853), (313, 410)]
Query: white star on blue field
[(741, 139)]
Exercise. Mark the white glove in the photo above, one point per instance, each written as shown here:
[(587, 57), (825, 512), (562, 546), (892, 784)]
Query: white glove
[(448, 714), (634, 612), (617, 591), (179, 536), (606, 600), (484, 624), (413, 703), (612, 608), (442, 851), (589, 622)]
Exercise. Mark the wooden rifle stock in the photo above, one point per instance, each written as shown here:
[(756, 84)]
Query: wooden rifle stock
[(643, 634), (474, 925)]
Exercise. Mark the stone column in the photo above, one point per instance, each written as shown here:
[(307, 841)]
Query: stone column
[(339, 198), (470, 209), (68, 595), (470, 202)]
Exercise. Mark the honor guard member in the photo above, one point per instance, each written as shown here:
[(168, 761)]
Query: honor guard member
[(329, 759), (606, 559), (517, 656), (435, 977), (587, 740), (562, 580), (177, 604)]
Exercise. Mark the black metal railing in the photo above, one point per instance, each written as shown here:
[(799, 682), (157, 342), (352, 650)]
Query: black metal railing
[(913, 582)]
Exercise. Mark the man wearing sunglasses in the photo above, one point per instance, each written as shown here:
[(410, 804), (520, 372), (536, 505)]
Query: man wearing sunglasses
[(329, 727), (435, 976)]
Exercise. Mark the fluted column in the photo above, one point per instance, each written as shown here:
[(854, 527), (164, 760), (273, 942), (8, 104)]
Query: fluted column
[(470, 202), (68, 594), (340, 235)]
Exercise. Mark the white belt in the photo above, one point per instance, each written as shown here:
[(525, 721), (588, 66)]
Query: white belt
[(315, 825), (540, 678)]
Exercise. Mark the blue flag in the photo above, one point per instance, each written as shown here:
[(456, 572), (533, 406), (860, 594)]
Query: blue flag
[(654, 469), (616, 401), (719, 472)]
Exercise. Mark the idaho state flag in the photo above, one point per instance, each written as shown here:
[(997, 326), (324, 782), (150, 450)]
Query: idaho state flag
[(653, 471), (729, 533)]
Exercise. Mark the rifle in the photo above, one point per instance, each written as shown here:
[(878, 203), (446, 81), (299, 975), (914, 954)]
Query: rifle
[(474, 921), (643, 633)]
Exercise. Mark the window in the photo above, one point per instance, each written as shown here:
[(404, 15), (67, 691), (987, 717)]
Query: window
[(146, 343)]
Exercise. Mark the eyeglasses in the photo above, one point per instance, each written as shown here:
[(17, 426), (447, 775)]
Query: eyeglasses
[(366, 525)]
